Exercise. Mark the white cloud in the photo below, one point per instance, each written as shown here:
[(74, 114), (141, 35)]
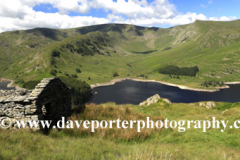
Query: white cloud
[(19, 14), (135, 8), (210, 2), (223, 18), (14, 9), (48, 20), (115, 17), (180, 19), (203, 6), (177, 20)]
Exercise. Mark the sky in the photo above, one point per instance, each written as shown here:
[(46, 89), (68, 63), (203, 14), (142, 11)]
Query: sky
[(63, 14)]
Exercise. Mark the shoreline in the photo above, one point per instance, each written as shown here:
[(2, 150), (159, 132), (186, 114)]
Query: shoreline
[(112, 82), (232, 82), (10, 84)]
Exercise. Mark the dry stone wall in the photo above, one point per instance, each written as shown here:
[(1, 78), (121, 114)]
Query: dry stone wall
[(50, 100)]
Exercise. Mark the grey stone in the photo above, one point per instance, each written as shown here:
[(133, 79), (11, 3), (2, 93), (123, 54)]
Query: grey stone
[(20, 98), (210, 105), (151, 100), (27, 104), (34, 117), (201, 104), (2, 99), (2, 113), (154, 99), (19, 106)]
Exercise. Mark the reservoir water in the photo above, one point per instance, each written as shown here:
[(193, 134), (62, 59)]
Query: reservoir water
[(134, 92), (3, 86)]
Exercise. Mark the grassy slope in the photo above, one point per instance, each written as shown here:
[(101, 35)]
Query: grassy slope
[(212, 46), (126, 143)]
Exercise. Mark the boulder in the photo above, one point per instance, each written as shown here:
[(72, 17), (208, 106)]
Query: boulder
[(210, 105), (151, 100), (202, 104), (155, 99)]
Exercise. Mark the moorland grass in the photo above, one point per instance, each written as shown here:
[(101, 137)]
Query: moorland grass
[(127, 144)]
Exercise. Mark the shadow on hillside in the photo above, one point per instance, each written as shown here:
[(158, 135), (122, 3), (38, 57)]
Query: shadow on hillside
[(167, 48), (46, 32), (153, 28), (137, 32), (102, 28), (146, 52)]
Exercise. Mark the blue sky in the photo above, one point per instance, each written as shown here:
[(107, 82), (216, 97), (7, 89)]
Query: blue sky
[(26, 14), (209, 8)]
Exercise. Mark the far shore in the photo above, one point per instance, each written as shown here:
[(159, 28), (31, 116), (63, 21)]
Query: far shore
[(112, 82), (10, 84), (232, 82)]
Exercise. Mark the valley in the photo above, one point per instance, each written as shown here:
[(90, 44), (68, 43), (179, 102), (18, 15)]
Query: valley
[(131, 51)]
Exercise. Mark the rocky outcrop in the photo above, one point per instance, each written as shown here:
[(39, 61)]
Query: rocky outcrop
[(50, 100), (208, 105), (201, 104), (154, 99), (150, 100)]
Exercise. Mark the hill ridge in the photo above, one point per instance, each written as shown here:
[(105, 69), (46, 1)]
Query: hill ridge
[(99, 50)]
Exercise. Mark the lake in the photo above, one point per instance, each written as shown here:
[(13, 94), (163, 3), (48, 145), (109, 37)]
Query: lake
[(3, 86), (134, 92)]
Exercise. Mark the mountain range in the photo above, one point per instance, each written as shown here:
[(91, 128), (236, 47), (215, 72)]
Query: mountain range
[(95, 53)]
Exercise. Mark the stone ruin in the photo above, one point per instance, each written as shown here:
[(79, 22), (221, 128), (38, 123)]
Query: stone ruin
[(50, 100)]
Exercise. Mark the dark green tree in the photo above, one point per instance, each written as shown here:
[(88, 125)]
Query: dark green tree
[(74, 76), (53, 72), (115, 74), (78, 70)]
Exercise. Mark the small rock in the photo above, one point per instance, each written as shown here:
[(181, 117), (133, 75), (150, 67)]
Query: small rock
[(35, 117), (20, 98), (2, 99), (167, 100), (22, 92), (202, 104), (224, 111)]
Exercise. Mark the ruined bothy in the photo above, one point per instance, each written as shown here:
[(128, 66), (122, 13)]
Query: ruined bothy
[(50, 100)]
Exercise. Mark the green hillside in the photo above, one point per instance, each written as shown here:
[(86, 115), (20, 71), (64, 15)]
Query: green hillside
[(94, 53), (122, 144)]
